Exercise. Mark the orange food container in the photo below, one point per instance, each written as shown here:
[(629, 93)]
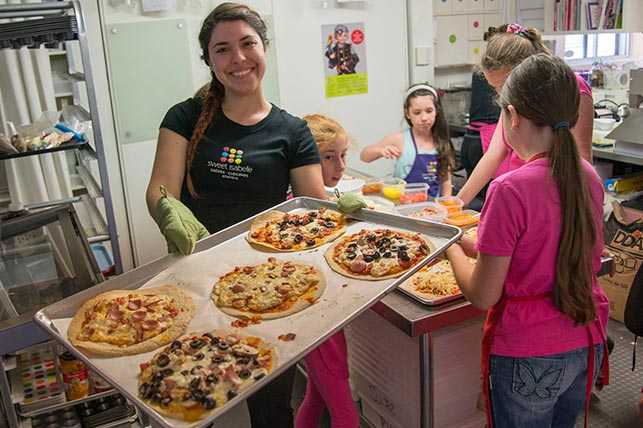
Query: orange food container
[(372, 186), (451, 203), (463, 218), (414, 193)]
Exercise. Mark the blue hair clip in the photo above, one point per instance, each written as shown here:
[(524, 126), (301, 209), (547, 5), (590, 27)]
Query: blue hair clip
[(561, 125)]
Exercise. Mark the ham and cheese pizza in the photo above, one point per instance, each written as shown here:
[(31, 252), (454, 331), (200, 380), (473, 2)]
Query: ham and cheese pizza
[(125, 322), (296, 231), (197, 373), (270, 290), (378, 254)]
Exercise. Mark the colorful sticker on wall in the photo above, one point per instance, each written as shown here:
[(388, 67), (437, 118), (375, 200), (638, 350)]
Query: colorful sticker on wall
[(344, 53)]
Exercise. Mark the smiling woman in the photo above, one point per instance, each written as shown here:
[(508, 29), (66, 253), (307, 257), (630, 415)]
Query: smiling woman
[(230, 154)]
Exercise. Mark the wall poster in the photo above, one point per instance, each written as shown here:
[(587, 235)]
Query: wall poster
[(345, 71)]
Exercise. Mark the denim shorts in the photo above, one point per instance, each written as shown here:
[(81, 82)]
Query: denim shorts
[(540, 392)]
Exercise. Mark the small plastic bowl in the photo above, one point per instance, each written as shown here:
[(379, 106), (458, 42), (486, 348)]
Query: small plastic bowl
[(392, 189), (463, 218), (451, 203), (414, 193), (424, 210), (372, 186), (379, 204), (604, 123)]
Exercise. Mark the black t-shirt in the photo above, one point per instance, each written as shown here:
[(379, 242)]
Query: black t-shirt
[(239, 171), (483, 101)]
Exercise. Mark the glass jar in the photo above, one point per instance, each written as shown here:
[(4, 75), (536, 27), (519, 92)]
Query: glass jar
[(75, 376)]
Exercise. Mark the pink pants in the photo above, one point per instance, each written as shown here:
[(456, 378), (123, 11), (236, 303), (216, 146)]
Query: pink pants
[(327, 369)]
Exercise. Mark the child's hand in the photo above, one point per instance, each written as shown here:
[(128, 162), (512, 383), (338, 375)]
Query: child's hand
[(390, 152)]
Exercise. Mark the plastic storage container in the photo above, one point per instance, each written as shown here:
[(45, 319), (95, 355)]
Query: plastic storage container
[(372, 186), (414, 193), (463, 218), (451, 203), (392, 189), (346, 185), (424, 210)]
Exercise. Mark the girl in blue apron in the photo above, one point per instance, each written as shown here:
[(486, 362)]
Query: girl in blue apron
[(538, 250), (423, 153)]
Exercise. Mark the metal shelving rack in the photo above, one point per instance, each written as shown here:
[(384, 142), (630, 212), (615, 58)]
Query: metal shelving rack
[(51, 23)]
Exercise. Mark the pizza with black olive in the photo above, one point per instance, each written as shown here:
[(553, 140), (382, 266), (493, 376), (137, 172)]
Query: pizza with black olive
[(200, 372), (296, 231), (378, 254)]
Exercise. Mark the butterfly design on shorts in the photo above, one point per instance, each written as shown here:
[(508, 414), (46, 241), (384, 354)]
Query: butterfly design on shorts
[(544, 386)]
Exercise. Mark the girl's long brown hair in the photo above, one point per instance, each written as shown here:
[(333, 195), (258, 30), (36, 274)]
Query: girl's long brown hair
[(557, 102), (439, 130), (225, 12)]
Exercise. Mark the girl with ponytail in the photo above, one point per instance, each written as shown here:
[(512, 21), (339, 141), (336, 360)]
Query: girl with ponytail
[(538, 251), (229, 155), (505, 49)]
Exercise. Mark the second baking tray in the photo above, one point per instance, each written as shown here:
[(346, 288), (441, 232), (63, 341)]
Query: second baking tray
[(343, 299)]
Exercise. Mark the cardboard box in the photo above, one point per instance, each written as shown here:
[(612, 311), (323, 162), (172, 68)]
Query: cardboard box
[(626, 183), (616, 293)]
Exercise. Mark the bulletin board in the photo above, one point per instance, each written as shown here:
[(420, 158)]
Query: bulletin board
[(151, 71)]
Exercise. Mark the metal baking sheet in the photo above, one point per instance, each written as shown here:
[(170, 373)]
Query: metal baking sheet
[(344, 298), (423, 298)]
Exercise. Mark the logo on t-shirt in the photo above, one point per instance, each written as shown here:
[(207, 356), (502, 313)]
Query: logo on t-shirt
[(231, 155), (229, 165), (432, 166)]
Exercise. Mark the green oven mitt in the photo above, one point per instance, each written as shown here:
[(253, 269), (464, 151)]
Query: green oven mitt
[(179, 226), (350, 202)]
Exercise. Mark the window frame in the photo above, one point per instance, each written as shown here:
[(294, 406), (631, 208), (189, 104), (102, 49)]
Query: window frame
[(589, 59)]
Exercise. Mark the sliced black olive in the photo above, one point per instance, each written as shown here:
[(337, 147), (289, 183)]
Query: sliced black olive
[(351, 256), (387, 254), (209, 335), (259, 375), (313, 213), (245, 374), (176, 344), (156, 397), (376, 255), (402, 248), (195, 383), (298, 238), (168, 372), (157, 376), (404, 257), (329, 224), (424, 248), (163, 360), (196, 369), (198, 394), (232, 393), (243, 361), (284, 235), (385, 240), (352, 245), (185, 372), (314, 229), (216, 359), (166, 401), (144, 389), (368, 259), (310, 242), (199, 356), (197, 344), (209, 403), (211, 378), (223, 345)]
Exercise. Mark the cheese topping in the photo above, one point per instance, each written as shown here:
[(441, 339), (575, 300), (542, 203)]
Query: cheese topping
[(300, 230), (380, 252), (266, 286), (200, 373), (124, 321)]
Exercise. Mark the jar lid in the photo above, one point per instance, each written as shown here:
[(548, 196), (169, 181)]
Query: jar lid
[(16, 206), (68, 356)]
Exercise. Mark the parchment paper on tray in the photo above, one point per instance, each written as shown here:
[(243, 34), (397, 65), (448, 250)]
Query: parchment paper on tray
[(343, 299)]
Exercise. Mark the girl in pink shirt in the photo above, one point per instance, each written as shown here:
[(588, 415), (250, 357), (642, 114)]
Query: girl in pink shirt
[(327, 365), (503, 52), (538, 250)]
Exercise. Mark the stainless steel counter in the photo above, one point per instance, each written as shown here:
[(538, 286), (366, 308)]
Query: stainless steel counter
[(415, 319)]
